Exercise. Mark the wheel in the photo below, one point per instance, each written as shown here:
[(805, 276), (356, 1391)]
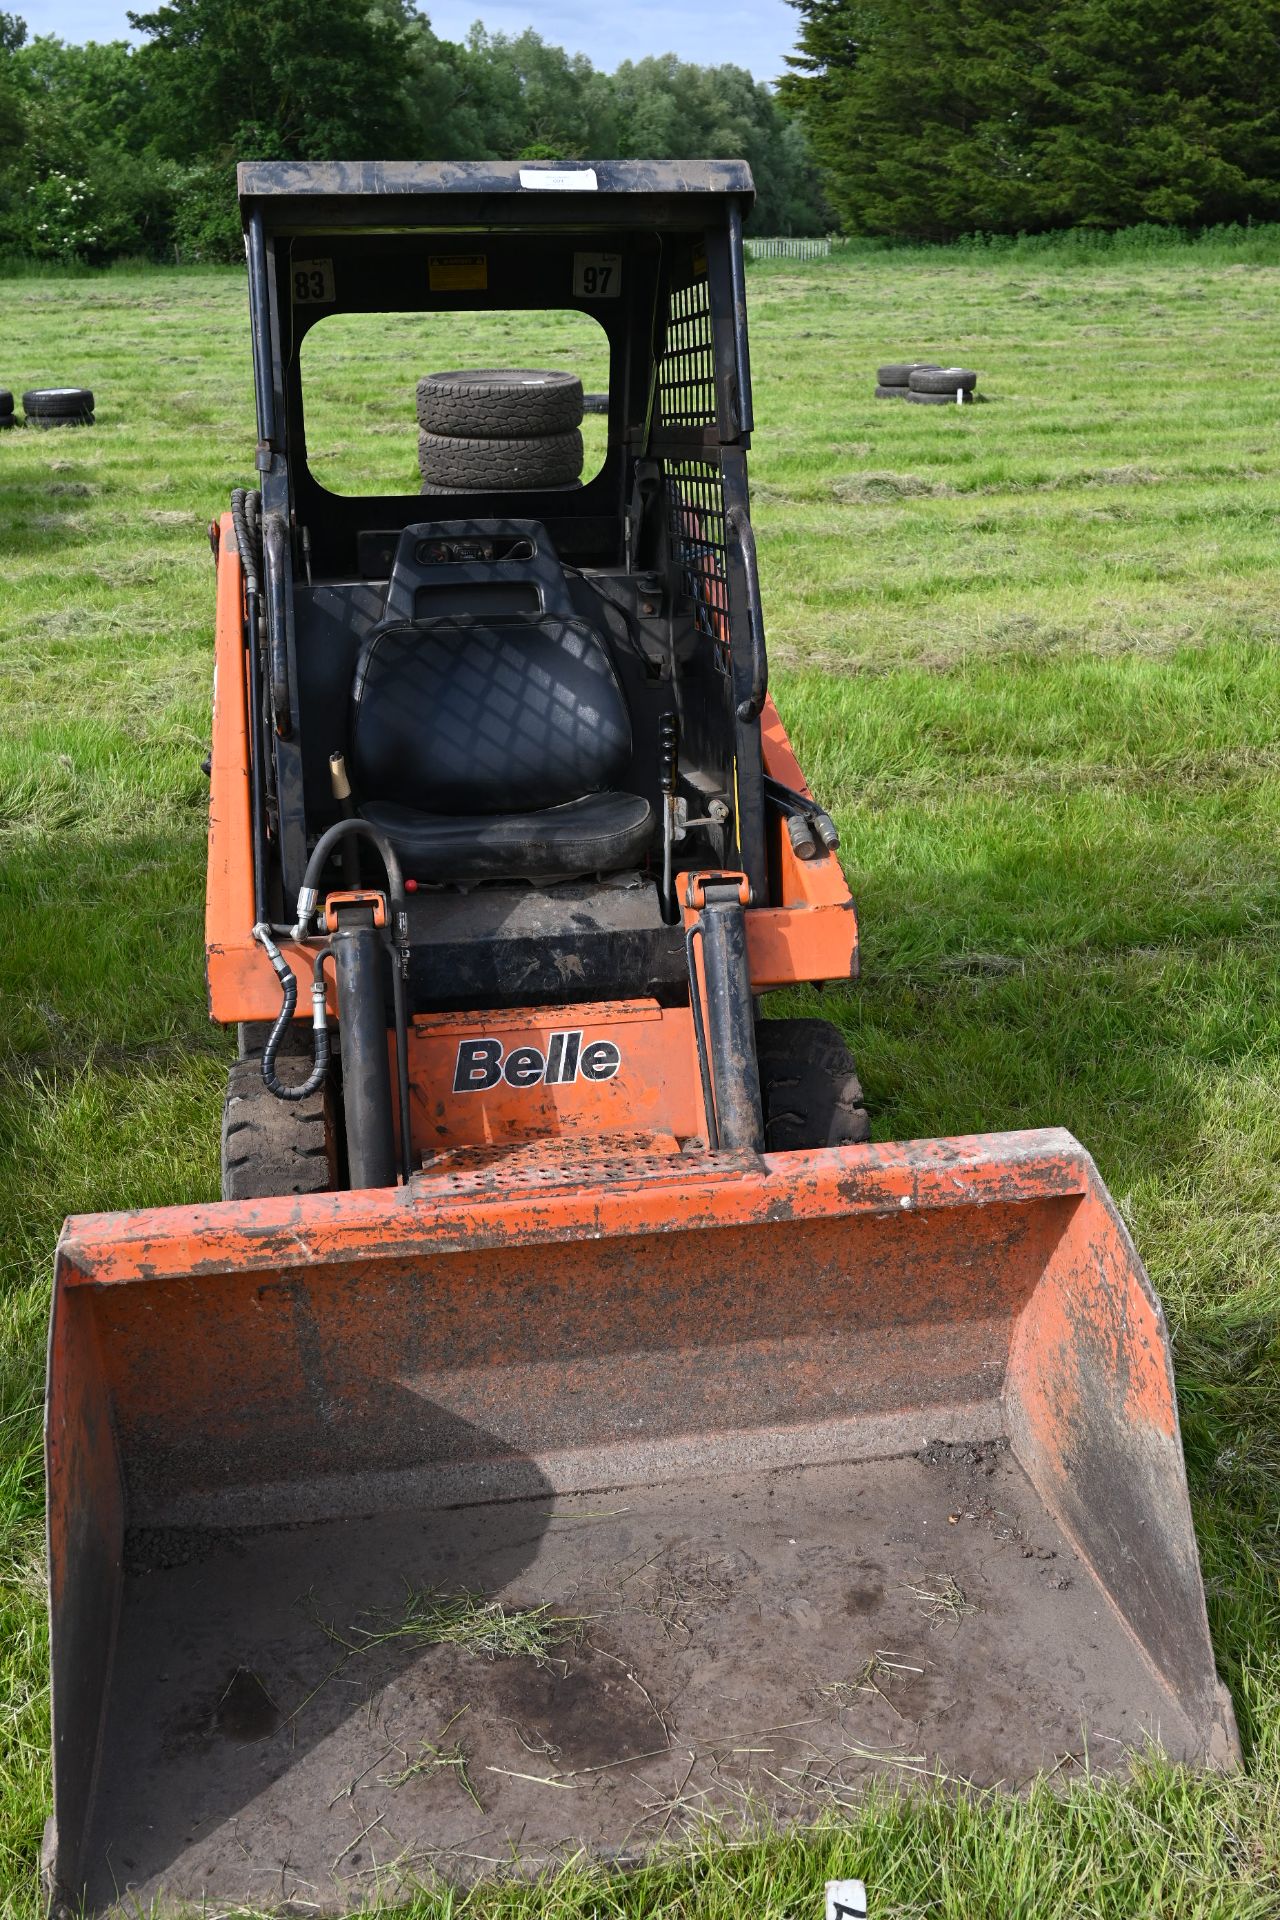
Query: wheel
[(58, 403), (595, 403), (891, 393), (6, 402), (563, 486), (548, 460), (499, 403), (272, 1146), (941, 399), (809, 1087), (943, 380), (900, 372)]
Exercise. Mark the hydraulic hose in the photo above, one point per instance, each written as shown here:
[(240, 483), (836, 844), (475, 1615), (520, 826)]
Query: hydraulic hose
[(308, 899), (319, 1023), (309, 892)]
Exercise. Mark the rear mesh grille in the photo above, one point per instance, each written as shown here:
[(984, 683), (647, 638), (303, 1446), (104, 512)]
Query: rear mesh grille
[(695, 492), (686, 373)]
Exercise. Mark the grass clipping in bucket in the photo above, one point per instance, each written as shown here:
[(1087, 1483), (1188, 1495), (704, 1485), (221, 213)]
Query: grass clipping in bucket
[(485, 1628)]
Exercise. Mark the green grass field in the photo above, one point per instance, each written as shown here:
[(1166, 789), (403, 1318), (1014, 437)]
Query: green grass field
[(1028, 655)]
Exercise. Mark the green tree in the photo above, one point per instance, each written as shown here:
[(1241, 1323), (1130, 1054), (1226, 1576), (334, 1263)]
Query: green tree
[(1168, 110), (84, 182), (13, 33), (110, 148), (669, 109), (931, 118), (541, 102), (235, 78)]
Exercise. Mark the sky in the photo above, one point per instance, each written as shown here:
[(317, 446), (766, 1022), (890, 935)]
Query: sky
[(756, 34)]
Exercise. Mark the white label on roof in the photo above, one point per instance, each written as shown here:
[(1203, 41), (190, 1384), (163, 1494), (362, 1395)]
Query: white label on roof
[(559, 179)]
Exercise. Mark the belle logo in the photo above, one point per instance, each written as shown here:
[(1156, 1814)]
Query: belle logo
[(482, 1064)]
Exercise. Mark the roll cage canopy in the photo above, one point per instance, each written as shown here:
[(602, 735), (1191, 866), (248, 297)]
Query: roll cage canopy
[(651, 251), (333, 190)]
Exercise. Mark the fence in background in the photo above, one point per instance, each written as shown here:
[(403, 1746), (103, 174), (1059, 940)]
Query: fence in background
[(786, 249)]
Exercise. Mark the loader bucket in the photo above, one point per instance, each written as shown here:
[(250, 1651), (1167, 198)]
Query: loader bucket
[(546, 1501)]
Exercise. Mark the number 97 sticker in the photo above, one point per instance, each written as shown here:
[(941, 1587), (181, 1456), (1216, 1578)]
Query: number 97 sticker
[(597, 276), (312, 283)]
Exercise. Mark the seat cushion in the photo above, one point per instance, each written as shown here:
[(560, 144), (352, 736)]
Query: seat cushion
[(502, 715), (600, 833)]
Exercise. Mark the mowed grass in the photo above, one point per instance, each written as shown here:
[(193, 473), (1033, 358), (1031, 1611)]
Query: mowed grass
[(1027, 652)]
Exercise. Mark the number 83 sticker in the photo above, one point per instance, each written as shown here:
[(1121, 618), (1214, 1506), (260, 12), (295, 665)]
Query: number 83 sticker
[(312, 283), (597, 276)]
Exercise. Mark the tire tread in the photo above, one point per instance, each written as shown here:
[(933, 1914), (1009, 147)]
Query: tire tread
[(809, 1086), (272, 1146)]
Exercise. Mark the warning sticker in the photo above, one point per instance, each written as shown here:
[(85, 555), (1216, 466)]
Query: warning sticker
[(458, 272)]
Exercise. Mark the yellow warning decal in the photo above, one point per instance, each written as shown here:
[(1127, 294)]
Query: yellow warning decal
[(458, 272)]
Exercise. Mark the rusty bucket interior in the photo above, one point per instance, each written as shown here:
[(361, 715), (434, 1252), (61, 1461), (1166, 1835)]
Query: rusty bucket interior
[(447, 1531)]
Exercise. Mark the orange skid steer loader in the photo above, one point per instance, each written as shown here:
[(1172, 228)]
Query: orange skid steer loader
[(567, 1419)]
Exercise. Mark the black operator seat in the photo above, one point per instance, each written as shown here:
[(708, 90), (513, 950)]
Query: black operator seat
[(488, 728)]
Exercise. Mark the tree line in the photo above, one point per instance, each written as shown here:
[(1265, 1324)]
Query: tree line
[(912, 119), (935, 118), (113, 149)]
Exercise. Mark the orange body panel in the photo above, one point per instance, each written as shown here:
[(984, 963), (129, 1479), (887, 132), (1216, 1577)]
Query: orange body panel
[(529, 1084), (238, 972)]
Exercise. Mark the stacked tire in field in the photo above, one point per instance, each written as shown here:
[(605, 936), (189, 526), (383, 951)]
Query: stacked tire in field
[(6, 409), (499, 428), (58, 407), (891, 381), (942, 386)]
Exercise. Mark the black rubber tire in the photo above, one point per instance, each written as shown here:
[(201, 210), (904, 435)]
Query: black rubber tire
[(809, 1087), (499, 403), (60, 420), (891, 393), (55, 403), (595, 403), (272, 1146), (943, 380), (6, 402), (941, 399), (546, 460), (567, 486), (7, 420), (900, 372)]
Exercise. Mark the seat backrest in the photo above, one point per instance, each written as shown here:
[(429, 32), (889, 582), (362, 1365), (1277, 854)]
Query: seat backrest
[(498, 715)]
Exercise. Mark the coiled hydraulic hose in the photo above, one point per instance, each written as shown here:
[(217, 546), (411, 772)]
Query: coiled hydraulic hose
[(319, 1021)]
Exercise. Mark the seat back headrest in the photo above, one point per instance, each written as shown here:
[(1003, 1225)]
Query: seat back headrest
[(445, 557)]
